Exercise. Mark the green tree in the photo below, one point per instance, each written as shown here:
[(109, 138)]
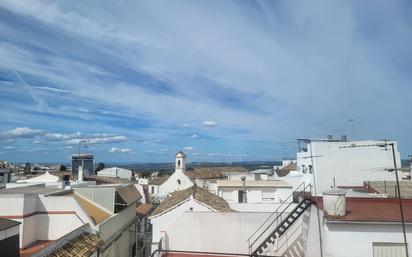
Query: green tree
[(100, 166), (62, 168), (27, 168)]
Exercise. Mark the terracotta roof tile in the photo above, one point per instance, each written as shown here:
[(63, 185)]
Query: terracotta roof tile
[(82, 246), (368, 209), (143, 209), (285, 170), (213, 201), (107, 180), (95, 213), (212, 172), (157, 181)]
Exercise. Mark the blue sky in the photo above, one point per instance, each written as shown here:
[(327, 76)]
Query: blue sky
[(221, 80)]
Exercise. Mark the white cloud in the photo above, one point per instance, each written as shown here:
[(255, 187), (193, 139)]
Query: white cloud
[(21, 132), (209, 124), (159, 141), (189, 148), (62, 137), (36, 142), (119, 150), (194, 136), (98, 140)]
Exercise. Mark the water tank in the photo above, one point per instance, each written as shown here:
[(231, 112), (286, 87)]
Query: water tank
[(344, 138), (334, 202), (329, 137)]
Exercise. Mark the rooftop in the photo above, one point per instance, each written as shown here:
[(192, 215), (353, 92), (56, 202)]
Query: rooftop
[(212, 172), (253, 183), (96, 214), (360, 209), (285, 170), (107, 180), (143, 209), (6, 223), (82, 246), (34, 190), (34, 248), (389, 188), (213, 201), (157, 181)]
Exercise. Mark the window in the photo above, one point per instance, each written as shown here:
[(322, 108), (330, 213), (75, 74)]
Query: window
[(227, 195), (268, 195), (178, 163), (152, 189), (242, 196), (382, 249)]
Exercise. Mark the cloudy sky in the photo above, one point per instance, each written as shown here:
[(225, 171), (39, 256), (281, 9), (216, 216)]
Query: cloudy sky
[(221, 80)]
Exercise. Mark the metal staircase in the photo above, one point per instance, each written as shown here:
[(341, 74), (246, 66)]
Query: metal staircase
[(280, 221)]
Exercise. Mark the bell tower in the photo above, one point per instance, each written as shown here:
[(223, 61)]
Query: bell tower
[(180, 162)]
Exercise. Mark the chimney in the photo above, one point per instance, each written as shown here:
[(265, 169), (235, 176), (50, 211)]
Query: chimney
[(344, 138), (80, 175)]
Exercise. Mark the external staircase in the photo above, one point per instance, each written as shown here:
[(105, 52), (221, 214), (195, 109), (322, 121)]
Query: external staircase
[(279, 221)]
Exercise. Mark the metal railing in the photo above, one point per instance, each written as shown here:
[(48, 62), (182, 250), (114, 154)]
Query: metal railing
[(160, 252), (275, 218)]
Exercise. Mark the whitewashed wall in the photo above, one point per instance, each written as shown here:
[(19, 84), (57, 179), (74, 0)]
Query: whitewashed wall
[(172, 185), (42, 225), (255, 194), (359, 236), (162, 222), (349, 166), (213, 232)]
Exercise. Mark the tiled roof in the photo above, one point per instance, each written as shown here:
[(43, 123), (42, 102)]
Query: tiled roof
[(253, 183), (368, 209), (95, 213), (107, 180), (212, 172), (143, 209), (213, 201), (181, 154), (82, 246), (285, 170), (157, 181)]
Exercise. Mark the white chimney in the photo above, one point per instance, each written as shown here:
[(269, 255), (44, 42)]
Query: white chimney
[(80, 175)]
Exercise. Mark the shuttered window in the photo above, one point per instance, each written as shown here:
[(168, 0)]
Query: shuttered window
[(381, 249), (268, 195)]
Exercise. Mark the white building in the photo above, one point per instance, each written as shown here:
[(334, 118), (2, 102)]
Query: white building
[(253, 191), (370, 226), (178, 180), (328, 163), (115, 172), (193, 199), (48, 213)]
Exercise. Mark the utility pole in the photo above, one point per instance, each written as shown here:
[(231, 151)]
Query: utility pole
[(80, 143), (398, 190), (399, 198)]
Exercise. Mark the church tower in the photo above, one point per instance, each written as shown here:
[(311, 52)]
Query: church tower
[(180, 162)]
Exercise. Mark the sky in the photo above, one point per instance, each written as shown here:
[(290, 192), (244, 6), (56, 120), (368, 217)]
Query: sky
[(221, 80)]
